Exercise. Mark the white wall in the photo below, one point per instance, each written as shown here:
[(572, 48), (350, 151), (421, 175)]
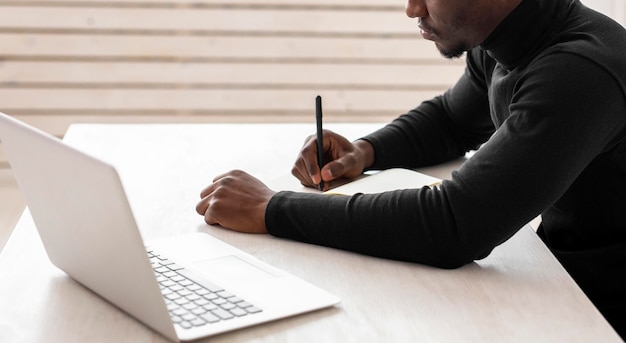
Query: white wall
[(615, 9)]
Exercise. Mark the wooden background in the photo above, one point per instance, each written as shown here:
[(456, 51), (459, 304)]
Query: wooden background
[(213, 60)]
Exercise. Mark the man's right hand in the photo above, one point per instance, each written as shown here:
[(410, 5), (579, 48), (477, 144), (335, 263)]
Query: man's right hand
[(343, 159)]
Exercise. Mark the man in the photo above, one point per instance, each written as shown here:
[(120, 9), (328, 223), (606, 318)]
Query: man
[(543, 96)]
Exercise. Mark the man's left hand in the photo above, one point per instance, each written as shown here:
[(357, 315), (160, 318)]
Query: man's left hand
[(237, 201)]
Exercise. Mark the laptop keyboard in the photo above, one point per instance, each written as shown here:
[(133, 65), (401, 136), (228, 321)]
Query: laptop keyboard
[(193, 301)]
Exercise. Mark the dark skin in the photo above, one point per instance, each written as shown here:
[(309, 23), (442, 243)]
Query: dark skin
[(237, 201), (347, 160)]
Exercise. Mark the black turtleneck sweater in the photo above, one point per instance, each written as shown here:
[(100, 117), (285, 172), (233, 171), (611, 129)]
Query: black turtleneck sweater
[(544, 98)]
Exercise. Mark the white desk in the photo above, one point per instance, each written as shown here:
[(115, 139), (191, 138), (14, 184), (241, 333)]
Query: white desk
[(518, 293)]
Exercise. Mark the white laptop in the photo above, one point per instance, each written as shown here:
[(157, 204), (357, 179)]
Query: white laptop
[(185, 287)]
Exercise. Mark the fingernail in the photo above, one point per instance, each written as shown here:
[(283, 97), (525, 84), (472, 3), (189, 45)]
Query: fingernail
[(328, 175)]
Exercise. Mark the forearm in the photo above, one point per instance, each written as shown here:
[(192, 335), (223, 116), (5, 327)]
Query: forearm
[(419, 138), (438, 130), (412, 225)]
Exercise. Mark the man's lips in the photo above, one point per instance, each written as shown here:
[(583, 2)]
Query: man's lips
[(426, 31)]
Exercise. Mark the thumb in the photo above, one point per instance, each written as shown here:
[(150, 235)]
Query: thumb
[(332, 170)]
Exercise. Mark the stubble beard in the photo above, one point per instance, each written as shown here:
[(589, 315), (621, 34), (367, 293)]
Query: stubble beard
[(452, 53)]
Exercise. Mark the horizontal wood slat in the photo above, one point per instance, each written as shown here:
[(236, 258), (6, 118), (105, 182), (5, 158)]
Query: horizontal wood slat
[(190, 100), (377, 4), (223, 75), (206, 21), (184, 48)]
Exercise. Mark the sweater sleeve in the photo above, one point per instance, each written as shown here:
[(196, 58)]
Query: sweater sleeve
[(554, 130)]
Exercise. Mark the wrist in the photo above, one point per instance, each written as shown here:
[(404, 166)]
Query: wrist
[(365, 151)]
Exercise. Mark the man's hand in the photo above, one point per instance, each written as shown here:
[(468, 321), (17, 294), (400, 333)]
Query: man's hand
[(237, 201), (343, 159)]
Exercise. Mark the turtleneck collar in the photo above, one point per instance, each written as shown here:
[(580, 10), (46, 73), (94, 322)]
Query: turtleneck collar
[(522, 32)]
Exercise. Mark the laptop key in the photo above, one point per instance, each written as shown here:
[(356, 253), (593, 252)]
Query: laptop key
[(210, 296), (219, 301), (235, 300), (181, 301), (197, 322), (198, 311), (210, 317), (228, 306), (172, 296), (223, 314), (193, 297), (239, 312), (161, 269), (244, 304), (225, 294), (253, 309), (179, 312), (174, 266), (188, 317)]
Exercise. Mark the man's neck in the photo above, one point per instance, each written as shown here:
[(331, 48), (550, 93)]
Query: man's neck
[(498, 10)]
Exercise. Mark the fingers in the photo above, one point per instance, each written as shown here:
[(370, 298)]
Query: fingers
[(210, 188), (304, 178), (210, 207), (237, 201), (345, 166), (306, 168), (209, 198), (342, 157), (205, 204), (333, 170), (207, 190)]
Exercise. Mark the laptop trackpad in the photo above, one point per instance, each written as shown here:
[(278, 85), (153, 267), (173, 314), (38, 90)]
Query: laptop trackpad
[(231, 270)]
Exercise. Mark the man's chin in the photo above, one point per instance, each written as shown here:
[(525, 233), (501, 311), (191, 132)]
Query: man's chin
[(451, 53)]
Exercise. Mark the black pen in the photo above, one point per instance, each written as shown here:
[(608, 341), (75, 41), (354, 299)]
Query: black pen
[(320, 137)]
